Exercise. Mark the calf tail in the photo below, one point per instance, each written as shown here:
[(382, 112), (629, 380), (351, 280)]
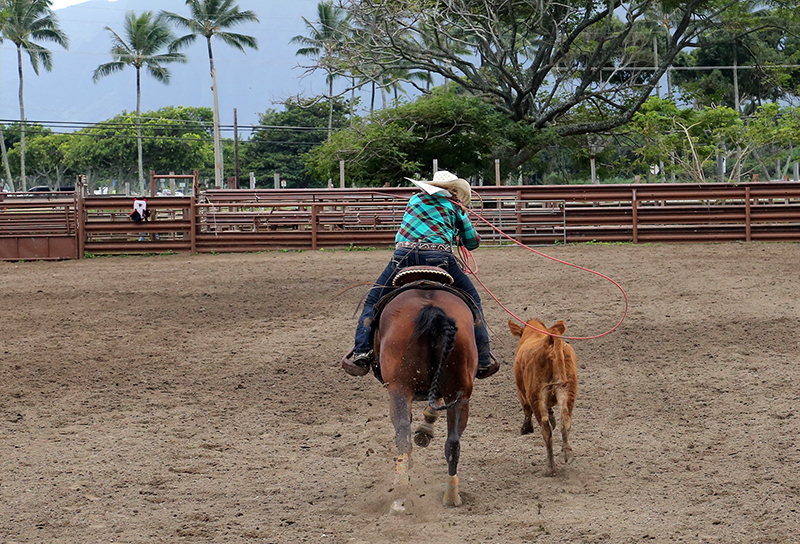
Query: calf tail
[(559, 367), (439, 330)]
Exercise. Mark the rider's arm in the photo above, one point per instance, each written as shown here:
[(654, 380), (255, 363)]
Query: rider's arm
[(470, 239)]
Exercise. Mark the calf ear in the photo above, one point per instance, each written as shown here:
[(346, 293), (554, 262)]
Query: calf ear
[(516, 330), (559, 328)]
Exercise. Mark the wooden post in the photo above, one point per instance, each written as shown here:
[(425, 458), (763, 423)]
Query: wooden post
[(277, 180), (341, 174), (152, 183), (497, 172), (172, 184), (635, 217), (435, 165), (252, 180)]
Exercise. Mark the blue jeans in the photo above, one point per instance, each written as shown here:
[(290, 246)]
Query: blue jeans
[(403, 258)]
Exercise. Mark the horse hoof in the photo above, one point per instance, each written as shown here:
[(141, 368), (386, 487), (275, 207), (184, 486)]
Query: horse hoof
[(422, 439), (398, 507), (450, 500)]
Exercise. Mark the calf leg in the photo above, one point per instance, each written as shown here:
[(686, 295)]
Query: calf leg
[(547, 434), (567, 402), (527, 424)]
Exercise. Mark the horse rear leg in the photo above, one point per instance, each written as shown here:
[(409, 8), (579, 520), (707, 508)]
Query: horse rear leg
[(424, 433), (457, 417), (400, 412)]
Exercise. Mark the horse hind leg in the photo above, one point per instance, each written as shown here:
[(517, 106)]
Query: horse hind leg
[(424, 433), (456, 423)]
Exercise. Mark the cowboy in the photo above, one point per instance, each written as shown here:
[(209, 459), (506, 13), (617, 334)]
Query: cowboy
[(435, 222), (140, 212)]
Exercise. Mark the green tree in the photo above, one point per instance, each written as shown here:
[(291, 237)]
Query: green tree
[(323, 43), (210, 18), (46, 164), (280, 142), (464, 133), (761, 42), (27, 22), (536, 61), (174, 139), (145, 37)]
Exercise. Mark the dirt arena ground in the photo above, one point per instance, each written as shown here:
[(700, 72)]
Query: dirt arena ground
[(196, 399)]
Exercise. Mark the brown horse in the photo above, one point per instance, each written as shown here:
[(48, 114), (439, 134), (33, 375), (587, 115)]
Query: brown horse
[(425, 345)]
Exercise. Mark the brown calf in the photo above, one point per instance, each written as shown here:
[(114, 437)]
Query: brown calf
[(546, 376)]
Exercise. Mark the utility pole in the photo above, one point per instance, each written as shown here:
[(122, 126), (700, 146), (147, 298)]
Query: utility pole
[(236, 146)]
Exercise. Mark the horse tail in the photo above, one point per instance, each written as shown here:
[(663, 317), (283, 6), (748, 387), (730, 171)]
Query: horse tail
[(440, 331)]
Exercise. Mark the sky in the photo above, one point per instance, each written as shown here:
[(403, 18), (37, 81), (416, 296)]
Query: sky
[(58, 4)]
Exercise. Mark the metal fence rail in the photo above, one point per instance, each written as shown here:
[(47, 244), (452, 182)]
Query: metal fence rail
[(38, 226), (258, 220)]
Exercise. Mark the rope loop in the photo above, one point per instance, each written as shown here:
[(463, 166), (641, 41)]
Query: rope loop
[(467, 259)]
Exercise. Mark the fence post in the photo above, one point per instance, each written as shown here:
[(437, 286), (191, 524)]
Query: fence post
[(635, 217), (80, 197), (341, 174), (152, 183), (497, 172), (747, 231), (314, 227), (277, 180), (252, 180), (193, 213)]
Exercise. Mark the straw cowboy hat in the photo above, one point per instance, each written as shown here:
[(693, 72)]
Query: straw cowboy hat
[(442, 183)]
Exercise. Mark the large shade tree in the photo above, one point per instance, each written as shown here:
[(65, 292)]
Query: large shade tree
[(210, 18), (145, 36), (25, 23), (535, 60)]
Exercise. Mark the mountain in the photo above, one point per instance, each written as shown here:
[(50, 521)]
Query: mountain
[(251, 83)]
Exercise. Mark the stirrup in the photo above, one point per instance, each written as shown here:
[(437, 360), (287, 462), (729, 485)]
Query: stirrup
[(488, 369), (357, 364)]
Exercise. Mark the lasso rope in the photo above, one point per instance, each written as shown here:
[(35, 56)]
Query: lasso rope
[(468, 258)]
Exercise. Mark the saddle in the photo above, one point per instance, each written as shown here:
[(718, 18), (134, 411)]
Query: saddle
[(418, 277)]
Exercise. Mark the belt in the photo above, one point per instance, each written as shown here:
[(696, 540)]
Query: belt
[(424, 246)]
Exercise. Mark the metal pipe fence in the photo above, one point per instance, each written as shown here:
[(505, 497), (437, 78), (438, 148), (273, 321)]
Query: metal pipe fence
[(269, 219)]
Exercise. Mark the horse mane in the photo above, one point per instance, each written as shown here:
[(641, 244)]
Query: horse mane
[(440, 330)]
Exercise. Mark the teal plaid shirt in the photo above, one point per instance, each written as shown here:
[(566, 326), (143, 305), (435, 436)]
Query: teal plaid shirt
[(435, 219)]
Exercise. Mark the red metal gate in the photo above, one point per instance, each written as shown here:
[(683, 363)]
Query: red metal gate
[(38, 226)]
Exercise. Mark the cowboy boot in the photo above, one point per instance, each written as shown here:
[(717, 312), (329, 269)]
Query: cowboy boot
[(357, 364)]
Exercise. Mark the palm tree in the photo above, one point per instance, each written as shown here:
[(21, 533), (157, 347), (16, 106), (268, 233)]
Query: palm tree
[(323, 42), (26, 21), (3, 150), (145, 36), (211, 18)]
